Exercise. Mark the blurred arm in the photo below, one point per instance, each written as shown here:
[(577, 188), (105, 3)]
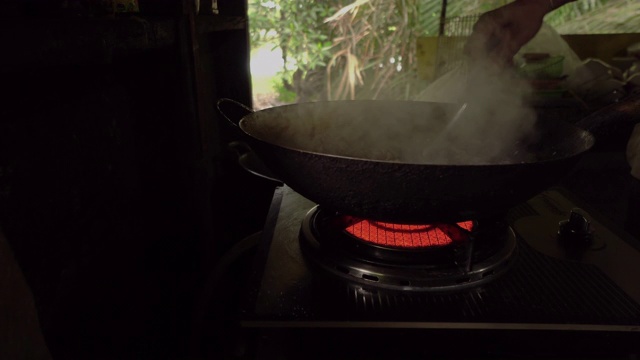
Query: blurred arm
[(499, 34)]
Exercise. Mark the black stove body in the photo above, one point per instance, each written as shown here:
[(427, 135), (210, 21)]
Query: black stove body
[(548, 298)]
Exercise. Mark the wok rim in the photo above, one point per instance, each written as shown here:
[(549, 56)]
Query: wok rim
[(588, 137)]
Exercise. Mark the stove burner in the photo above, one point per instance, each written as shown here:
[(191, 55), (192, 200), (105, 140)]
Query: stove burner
[(407, 257), (405, 236)]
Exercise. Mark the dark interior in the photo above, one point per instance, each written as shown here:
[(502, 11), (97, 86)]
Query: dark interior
[(118, 191), (119, 194)]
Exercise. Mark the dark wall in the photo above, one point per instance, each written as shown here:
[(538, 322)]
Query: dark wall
[(106, 195), (93, 195)]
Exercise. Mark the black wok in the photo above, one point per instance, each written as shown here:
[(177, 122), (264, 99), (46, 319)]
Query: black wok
[(290, 140)]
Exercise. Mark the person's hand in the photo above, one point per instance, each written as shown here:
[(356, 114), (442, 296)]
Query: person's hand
[(499, 34)]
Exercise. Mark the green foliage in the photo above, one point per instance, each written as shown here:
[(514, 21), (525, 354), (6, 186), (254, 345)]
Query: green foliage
[(573, 11), (297, 26), (340, 49), (285, 95), (597, 17), (310, 42)]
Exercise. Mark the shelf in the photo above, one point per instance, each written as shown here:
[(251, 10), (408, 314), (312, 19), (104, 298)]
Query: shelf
[(42, 42), (213, 23)]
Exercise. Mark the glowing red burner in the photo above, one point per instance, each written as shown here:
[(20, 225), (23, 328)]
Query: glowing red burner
[(402, 236)]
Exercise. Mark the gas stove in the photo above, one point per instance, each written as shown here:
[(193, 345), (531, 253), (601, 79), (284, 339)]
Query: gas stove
[(407, 257), (550, 277)]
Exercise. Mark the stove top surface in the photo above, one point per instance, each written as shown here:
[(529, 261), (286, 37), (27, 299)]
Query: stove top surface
[(547, 288)]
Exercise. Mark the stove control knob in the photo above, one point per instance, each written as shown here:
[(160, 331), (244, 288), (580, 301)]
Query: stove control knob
[(576, 230)]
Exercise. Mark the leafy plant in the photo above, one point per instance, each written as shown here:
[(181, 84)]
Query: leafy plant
[(298, 28), (334, 49), (284, 94)]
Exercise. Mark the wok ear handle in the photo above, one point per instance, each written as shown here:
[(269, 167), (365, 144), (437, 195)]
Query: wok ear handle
[(239, 147), (233, 111), (250, 162)]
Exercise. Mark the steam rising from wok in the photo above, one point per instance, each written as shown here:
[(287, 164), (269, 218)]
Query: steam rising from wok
[(495, 128), (498, 122)]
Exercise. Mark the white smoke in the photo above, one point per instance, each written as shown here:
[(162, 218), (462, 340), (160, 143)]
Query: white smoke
[(493, 129), (497, 121)]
